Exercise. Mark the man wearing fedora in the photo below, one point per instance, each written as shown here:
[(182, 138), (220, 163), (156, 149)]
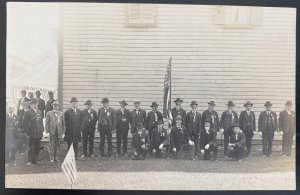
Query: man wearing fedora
[(180, 140), (33, 126), (159, 140), (177, 110), (140, 143), (123, 116), (193, 124), (208, 141), (228, 118), (287, 125), (106, 125), (237, 144), (210, 114), (73, 126), (248, 124), (267, 125), (41, 102), (88, 126), (55, 126), (49, 104), (152, 118), (137, 115)]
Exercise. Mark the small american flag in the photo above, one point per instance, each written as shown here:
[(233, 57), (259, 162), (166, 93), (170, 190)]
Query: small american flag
[(69, 167), (167, 94)]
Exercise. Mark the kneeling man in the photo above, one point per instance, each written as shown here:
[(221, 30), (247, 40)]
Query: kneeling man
[(140, 143), (160, 140), (237, 144), (208, 142)]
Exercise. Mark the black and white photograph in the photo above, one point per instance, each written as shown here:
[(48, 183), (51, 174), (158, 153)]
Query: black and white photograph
[(142, 96)]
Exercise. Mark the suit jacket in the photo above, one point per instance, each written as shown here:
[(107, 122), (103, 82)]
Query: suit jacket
[(262, 121), (227, 120), (246, 120), (213, 116), (55, 121), (139, 140), (159, 138), (240, 141), (178, 137), (123, 115), (49, 106), (150, 121), (208, 138), (192, 126), (180, 112), (111, 117), (287, 123), (73, 123), (12, 128), (42, 106), (137, 118), (33, 123), (89, 120)]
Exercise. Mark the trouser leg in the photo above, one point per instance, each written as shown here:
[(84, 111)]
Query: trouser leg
[(52, 148), (179, 152), (119, 136), (75, 149), (85, 141), (109, 137), (30, 150), (125, 137), (290, 143), (13, 151), (102, 140), (192, 150), (265, 143), (91, 141), (270, 141), (226, 141), (58, 152), (7, 149)]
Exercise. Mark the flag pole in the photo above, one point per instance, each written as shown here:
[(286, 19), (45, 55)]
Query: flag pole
[(170, 62)]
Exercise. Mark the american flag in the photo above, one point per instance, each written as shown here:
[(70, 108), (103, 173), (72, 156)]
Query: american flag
[(68, 166), (167, 94)]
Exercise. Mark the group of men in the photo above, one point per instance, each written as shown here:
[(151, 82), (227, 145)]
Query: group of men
[(191, 133)]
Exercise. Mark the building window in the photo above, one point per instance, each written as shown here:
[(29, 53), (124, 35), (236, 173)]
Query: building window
[(141, 15), (238, 16)]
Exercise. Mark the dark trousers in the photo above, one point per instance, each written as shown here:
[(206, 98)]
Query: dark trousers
[(122, 134), (158, 152), (88, 138), (249, 135), (34, 145), (195, 139), (226, 142), (105, 132), (211, 152), (10, 152), (54, 147), (287, 142), (75, 146), (238, 152), (141, 152), (185, 147), (22, 143), (267, 139)]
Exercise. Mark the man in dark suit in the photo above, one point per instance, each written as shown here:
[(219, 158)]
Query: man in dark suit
[(123, 116), (159, 140), (33, 126), (49, 104), (287, 127), (208, 141), (210, 114), (106, 125), (177, 110), (267, 125), (41, 105), (73, 126), (193, 124), (89, 120), (12, 135), (180, 140), (152, 118), (228, 118), (247, 124), (237, 144), (140, 143), (137, 115)]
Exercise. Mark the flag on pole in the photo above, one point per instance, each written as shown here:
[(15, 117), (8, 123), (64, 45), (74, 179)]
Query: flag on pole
[(167, 94), (69, 167)]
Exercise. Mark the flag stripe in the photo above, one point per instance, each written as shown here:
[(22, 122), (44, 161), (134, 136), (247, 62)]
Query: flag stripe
[(69, 167)]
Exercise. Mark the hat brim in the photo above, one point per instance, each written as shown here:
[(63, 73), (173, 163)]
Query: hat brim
[(154, 105), (230, 104), (193, 104), (73, 101), (268, 105), (178, 101), (247, 105), (123, 103)]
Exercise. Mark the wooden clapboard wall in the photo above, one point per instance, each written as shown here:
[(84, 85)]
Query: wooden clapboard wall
[(103, 56)]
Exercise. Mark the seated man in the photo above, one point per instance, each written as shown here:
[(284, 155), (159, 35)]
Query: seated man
[(160, 140), (208, 142), (180, 140), (140, 143), (237, 144)]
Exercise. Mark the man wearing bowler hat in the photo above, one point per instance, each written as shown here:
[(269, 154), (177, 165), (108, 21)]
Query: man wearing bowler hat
[(73, 125), (267, 125), (123, 116), (88, 126), (152, 118), (287, 127), (137, 115), (210, 114), (177, 110), (106, 125), (228, 118), (49, 104), (193, 124), (248, 124), (41, 104)]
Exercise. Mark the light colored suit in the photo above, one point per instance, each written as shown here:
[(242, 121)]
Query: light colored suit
[(53, 121)]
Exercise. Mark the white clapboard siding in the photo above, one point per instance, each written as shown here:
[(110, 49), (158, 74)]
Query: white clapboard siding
[(103, 56)]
